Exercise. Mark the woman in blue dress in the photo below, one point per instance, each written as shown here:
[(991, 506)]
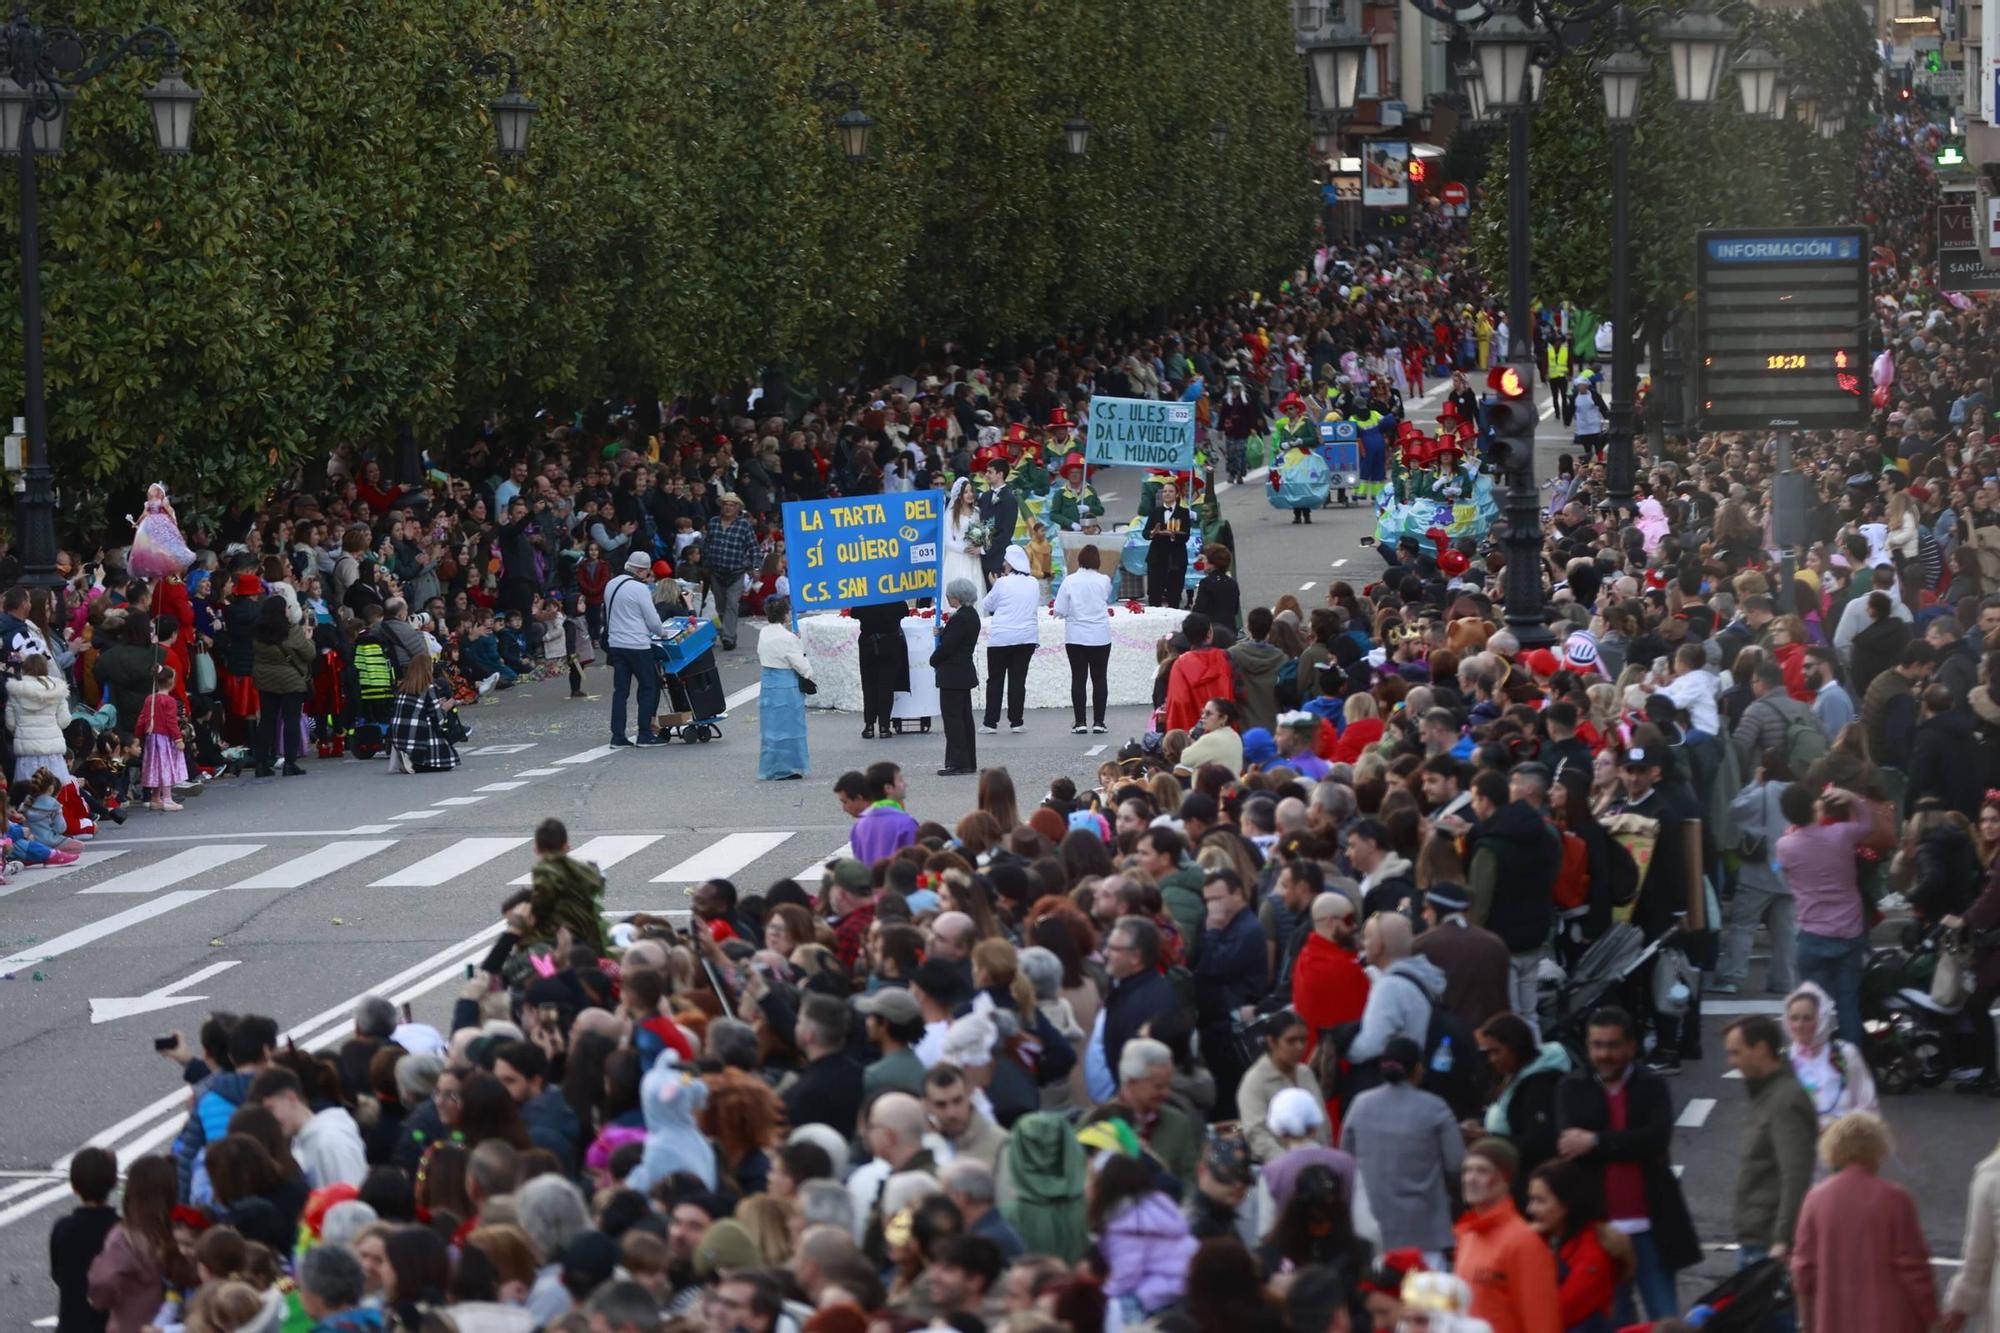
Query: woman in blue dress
[(781, 704)]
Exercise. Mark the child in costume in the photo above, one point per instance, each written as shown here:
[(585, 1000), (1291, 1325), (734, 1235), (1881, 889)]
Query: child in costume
[(158, 550)]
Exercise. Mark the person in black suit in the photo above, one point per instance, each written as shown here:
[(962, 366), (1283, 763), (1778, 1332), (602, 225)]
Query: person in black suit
[(1625, 1148), (1001, 509), (958, 677), (1167, 531), (885, 664)]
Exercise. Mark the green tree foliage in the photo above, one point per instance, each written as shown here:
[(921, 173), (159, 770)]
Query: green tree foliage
[(343, 251), (1689, 167)]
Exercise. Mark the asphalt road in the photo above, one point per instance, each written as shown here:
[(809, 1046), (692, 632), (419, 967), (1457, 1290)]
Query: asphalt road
[(296, 896)]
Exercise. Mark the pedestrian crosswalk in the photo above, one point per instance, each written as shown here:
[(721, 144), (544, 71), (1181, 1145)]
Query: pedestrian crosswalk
[(412, 857)]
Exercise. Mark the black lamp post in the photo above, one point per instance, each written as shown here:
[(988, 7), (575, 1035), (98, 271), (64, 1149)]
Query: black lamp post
[(853, 127), (512, 112), (40, 70), (1697, 43)]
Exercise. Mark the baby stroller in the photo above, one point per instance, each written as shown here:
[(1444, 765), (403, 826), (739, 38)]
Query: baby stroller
[(1745, 1300), (1595, 980)]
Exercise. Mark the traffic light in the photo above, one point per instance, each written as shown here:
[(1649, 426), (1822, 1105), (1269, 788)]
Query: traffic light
[(1510, 418), (1417, 171)]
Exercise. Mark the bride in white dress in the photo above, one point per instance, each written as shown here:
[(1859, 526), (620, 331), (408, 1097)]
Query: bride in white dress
[(961, 559)]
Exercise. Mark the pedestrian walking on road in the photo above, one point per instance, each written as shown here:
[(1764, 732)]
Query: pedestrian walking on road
[(1859, 1261), (631, 624)]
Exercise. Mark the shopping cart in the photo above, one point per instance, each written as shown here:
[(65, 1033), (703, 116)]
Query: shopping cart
[(688, 673)]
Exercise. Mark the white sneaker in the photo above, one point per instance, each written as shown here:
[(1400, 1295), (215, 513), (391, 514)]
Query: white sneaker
[(989, 731), (1079, 730), (486, 686), (398, 762), (1018, 728), (1098, 728)]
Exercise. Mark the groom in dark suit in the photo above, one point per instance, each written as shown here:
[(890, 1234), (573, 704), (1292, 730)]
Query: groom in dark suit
[(1000, 508)]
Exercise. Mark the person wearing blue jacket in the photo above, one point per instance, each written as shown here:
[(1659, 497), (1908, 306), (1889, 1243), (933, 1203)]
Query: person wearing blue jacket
[(1232, 973), (251, 1042)]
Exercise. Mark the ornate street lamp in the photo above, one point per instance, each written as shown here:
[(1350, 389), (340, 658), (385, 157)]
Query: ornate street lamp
[(854, 126), (1505, 47), (1076, 136), (1757, 77), (1335, 58), (1218, 134), (1623, 73), (512, 112), (1696, 42)]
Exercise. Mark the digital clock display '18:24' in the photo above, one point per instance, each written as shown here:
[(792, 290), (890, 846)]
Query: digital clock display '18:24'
[(1785, 361)]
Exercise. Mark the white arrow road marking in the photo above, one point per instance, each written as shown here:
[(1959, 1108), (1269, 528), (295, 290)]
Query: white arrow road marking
[(162, 997)]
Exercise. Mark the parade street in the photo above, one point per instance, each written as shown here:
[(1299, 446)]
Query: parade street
[(296, 903)]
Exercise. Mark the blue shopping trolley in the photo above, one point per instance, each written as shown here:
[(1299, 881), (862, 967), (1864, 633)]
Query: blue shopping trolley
[(690, 678)]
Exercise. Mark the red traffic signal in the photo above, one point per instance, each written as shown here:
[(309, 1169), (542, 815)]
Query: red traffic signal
[(1507, 382), (1417, 170)]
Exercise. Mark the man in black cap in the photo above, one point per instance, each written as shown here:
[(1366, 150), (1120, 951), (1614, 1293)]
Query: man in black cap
[(1651, 791)]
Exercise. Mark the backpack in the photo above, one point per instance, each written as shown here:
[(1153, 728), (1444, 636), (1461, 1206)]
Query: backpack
[(1454, 1066), (1573, 880), (1288, 684), (1805, 740)]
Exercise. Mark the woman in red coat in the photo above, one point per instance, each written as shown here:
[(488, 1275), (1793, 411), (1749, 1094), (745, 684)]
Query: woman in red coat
[(1565, 1206), (1859, 1262)]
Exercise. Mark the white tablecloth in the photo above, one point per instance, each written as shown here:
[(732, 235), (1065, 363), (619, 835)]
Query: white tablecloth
[(833, 644)]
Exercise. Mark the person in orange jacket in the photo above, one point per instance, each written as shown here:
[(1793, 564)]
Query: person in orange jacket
[(1511, 1270)]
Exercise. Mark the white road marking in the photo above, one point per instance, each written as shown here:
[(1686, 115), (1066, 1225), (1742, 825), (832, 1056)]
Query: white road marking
[(315, 864), (724, 857), (1737, 1008), (179, 866), (1733, 1073), (515, 748), (408, 815), (1308, 586), (362, 830), (327, 1028), (605, 852), (450, 801), (742, 696), (455, 860), (160, 997), (538, 772), (1338, 563), (1695, 1114), (1678, 1168), (500, 786), (589, 756), (811, 874), (97, 930), (33, 875), (1094, 751)]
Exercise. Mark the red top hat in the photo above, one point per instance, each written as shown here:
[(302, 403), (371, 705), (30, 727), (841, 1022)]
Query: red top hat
[(1058, 417), (1073, 463)]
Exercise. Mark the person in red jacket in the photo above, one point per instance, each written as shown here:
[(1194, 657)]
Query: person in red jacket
[(1592, 1258), (593, 572), (1511, 1271), (1199, 674), (1329, 985)]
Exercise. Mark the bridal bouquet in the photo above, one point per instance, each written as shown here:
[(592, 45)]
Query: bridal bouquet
[(977, 535)]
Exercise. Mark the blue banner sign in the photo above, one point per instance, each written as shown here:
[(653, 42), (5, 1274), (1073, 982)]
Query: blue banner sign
[(1782, 249), (1139, 432), (863, 549)]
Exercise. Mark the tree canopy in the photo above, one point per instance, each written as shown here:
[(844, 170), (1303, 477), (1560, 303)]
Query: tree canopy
[(1689, 167), (343, 250)]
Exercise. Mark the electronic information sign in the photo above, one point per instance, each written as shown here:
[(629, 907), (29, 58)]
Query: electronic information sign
[(1782, 321)]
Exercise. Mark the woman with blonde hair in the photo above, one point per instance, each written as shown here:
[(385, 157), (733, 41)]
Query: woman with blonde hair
[(769, 1222), (1859, 1260), (1363, 727)]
